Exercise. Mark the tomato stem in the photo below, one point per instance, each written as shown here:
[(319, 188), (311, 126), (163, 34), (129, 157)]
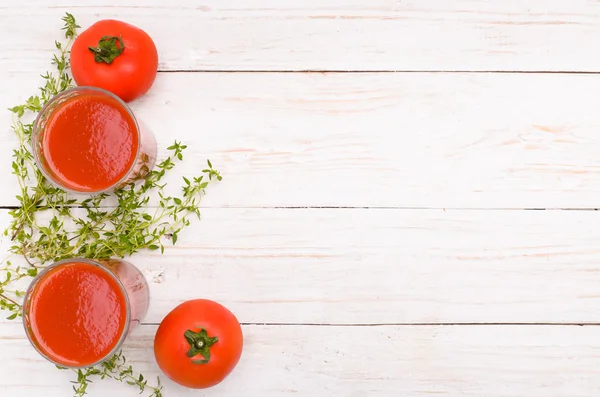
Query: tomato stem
[(107, 49), (200, 344)]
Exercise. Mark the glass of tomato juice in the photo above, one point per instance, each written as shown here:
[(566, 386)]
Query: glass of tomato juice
[(87, 140), (77, 312)]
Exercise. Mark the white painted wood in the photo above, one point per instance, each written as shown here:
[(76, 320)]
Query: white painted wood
[(470, 361), (403, 140), (528, 35), (391, 140), (359, 266)]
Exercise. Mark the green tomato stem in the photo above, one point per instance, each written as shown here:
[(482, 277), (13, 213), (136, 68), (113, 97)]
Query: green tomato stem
[(200, 344), (107, 49)]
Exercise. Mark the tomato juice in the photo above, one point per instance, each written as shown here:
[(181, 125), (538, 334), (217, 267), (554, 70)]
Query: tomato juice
[(78, 312), (87, 140)]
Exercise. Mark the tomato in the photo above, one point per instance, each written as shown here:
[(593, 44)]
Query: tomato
[(198, 343), (115, 56)]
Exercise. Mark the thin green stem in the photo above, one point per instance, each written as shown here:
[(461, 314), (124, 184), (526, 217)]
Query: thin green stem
[(2, 296), (44, 229)]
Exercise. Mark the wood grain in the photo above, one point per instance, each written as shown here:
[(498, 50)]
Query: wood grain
[(366, 266), (420, 140), (470, 361), (393, 296), (374, 35)]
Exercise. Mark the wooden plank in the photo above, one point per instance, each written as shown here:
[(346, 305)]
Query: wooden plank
[(475, 361), (379, 140), (373, 35), (367, 266)]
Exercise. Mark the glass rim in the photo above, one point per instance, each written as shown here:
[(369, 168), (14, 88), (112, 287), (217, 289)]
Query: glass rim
[(40, 277), (36, 131)]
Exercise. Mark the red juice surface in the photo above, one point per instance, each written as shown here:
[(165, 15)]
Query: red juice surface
[(77, 314), (90, 142)]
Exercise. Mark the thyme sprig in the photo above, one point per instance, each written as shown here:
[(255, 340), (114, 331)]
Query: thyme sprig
[(49, 224), (116, 368)]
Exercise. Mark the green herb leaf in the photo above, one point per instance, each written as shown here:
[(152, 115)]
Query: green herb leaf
[(44, 228)]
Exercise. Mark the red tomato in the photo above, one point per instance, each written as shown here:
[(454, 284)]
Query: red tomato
[(198, 344), (116, 56)]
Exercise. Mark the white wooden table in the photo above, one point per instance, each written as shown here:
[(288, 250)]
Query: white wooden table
[(409, 191)]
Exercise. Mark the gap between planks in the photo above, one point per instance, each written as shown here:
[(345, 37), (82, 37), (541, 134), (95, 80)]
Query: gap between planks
[(441, 324), (383, 71), (421, 71), (14, 207)]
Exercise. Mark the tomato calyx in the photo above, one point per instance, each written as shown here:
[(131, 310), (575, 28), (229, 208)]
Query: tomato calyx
[(200, 343), (107, 49)]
